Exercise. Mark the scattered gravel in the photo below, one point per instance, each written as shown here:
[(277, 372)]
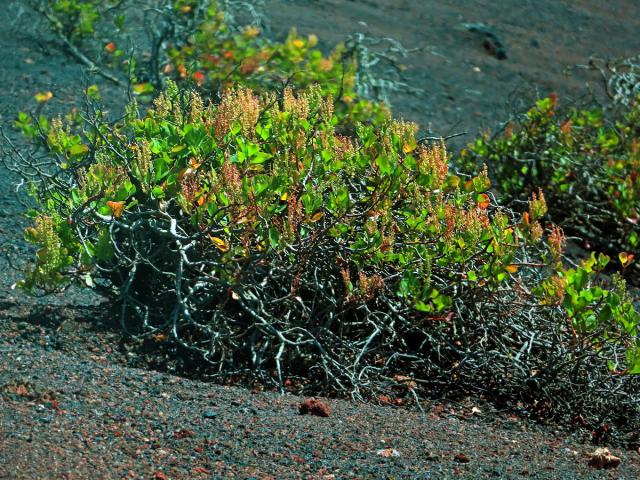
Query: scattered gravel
[(74, 410)]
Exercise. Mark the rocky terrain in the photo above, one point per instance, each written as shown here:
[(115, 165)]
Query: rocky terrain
[(77, 402)]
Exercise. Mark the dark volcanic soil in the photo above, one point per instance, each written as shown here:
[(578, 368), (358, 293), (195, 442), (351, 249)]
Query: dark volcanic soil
[(71, 410), (466, 89), (72, 407)]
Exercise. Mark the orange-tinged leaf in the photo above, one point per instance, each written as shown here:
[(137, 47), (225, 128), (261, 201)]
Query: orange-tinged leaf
[(43, 96), (160, 337), (468, 186), (626, 258), (511, 268), (194, 163), (199, 78), (508, 131), (284, 196), (317, 216), (220, 244), (483, 201), (565, 128), (408, 147), (298, 43), (110, 47), (116, 208), (142, 88)]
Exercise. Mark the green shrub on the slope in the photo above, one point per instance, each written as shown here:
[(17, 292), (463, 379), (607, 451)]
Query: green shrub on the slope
[(252, 233), (76, 19), (587, 163), (192, 43)]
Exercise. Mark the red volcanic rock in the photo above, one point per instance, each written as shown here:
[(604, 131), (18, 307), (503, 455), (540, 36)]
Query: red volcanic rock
[(603, 458), (311, 406)]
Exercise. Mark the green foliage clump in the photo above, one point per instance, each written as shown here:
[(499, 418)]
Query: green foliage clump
[(257, 235), (52, 257), (77, 18), (216, 58), (590, 308), (587, 163), (193, 43)]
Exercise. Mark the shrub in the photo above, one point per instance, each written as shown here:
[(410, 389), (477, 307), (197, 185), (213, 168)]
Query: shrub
[(587, 163), (199, 44), (257, 236), (75, 19)]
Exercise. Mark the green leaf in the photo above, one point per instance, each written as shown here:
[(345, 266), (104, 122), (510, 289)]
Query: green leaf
[(78, 150), (263, 131), (261, 183), (160, 168), (633, 360), (93, 92), (423, 307), (157, 192), (274, 237), (442, 302), (260, 157), (384, 164), (342, 198), (75, 197)]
